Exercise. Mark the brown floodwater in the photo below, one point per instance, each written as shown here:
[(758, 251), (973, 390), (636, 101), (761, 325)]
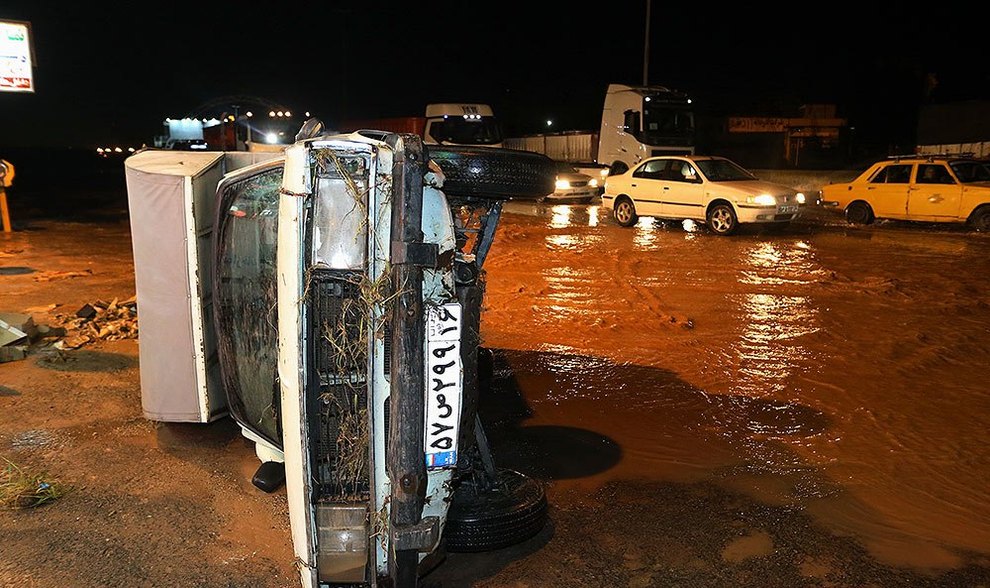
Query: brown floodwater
[(837, 371)]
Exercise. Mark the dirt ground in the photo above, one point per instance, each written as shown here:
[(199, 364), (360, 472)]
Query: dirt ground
[(686, 438), (147, 504)]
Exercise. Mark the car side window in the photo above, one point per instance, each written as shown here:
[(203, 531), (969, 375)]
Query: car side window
[(880, 177), (651, 170), (934, 174), (898, 174), (682, 171)]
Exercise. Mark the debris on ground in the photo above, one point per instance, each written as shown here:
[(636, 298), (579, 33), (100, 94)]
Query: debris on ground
[(16, 332), (49, 276), (99, 320), (22, 489)]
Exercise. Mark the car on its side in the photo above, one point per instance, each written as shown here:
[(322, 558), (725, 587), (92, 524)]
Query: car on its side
[(706, 188), (954, 189), (572, 185)]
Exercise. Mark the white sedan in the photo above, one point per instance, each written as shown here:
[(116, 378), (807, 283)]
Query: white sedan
[(710, 189)]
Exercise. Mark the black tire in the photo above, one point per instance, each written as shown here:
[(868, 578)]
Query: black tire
[(624, 212), (483, 519), (722, 219), (980, 219), (491, 172), (859, 213)]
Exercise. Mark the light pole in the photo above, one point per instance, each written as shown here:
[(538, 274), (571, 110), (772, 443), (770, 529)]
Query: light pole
[(646, 47)]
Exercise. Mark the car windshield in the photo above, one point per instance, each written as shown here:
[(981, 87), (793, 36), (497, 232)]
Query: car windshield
[(461, 131), (565, 168), (971, 171), (723, 170)]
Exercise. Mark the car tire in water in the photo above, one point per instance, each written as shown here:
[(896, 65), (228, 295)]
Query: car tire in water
[(492, 172), (859, 213), (483, 518), (980, 219), (722, 219), (624, 212)]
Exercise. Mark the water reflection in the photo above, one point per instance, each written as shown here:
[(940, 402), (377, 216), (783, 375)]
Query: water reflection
[(646, 235), (776, 263), (560, 216), (593, 216), (564, 241), (772, 321), (768, 356)]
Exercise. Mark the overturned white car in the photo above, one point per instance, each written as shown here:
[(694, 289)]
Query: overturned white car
[(339, 286)]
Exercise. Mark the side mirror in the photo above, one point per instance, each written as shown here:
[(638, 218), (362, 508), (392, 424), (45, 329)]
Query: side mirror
[(310, 129)]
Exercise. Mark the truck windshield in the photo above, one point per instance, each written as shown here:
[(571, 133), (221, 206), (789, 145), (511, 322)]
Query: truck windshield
[(461, 131), (667, 124)]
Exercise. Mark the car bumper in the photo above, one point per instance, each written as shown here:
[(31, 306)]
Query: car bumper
[(573, 195), (768, 214)]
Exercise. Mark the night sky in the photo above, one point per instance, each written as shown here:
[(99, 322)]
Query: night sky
[(109, 73)]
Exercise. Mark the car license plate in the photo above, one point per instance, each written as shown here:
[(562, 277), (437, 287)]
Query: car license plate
[(444, 385), (786, 209)]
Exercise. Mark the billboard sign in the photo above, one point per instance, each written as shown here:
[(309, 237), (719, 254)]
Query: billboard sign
[(751, 124), (15, 57)]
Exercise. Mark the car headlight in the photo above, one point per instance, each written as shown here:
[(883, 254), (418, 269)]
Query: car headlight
[(799, 197), (562, 184), (593, 183), (764, 200)]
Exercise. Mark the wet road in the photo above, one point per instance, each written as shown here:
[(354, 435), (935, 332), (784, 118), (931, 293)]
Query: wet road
[(807, 406)]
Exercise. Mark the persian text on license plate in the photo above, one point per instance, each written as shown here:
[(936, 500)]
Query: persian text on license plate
[(444, 384)]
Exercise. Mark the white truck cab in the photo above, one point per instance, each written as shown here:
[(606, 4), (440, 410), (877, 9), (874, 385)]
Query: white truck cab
[(462, 124)]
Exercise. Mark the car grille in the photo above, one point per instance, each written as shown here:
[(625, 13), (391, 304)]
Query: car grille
[(782, 217), (578, 184), (340, 359)]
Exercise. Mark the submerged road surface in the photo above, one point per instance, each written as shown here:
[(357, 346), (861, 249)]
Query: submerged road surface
[(799, 407)]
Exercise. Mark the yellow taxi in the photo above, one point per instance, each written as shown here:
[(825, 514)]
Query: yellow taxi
[(953, 189)]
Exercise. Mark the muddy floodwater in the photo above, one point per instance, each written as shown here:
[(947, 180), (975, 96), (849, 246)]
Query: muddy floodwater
[(805, 406)]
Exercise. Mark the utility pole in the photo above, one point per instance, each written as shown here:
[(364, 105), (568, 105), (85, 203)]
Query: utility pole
[(646, 47)]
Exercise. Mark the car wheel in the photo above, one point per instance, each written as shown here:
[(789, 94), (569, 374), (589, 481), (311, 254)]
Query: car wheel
[(859, 213), (491, 172), (625, 212), (493, 516), (722, 219), (980, 220)]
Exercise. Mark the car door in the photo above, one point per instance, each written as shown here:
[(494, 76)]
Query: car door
[(935, 194), (647, 187), (683, 192), (887, 191)]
